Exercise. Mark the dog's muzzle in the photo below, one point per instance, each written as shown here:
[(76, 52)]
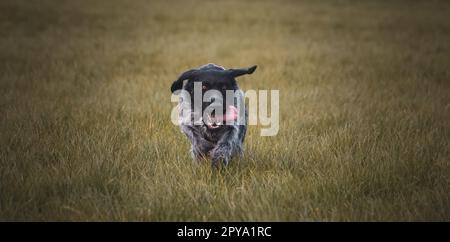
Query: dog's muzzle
[(214, 121)]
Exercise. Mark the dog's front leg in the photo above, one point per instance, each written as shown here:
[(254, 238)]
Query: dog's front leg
[(199, 146), (224, 148), (221, 153)]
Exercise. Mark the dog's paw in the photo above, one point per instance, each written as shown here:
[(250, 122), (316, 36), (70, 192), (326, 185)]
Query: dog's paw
[(217, 163), (221, 154)]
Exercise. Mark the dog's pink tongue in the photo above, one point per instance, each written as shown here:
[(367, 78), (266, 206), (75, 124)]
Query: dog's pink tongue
[(231, 114)]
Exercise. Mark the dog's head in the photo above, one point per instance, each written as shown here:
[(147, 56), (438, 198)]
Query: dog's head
[(211, 83)]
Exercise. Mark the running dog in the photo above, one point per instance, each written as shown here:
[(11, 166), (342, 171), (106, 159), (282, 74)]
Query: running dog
[(215, 123)]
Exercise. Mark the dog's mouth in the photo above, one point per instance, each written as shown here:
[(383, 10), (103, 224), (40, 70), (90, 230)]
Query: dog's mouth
[(217, 121)]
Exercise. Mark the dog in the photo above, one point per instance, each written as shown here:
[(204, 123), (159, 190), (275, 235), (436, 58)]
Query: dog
[(218, 134)]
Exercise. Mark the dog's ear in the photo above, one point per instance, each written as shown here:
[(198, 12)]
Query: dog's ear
[(239, 72), (178, 84)]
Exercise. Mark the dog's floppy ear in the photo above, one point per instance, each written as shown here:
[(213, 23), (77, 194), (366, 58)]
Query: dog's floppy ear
[(178, 84), (242, 71)]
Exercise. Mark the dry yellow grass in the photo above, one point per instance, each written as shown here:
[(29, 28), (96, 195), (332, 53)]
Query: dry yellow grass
[(85, 105)]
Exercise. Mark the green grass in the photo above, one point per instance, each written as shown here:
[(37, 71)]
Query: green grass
[(364, 95)]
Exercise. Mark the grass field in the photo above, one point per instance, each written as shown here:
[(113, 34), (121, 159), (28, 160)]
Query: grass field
[(364, 95)]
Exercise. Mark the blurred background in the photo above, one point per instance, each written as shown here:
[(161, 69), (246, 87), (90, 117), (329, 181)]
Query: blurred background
[(364, 103)]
